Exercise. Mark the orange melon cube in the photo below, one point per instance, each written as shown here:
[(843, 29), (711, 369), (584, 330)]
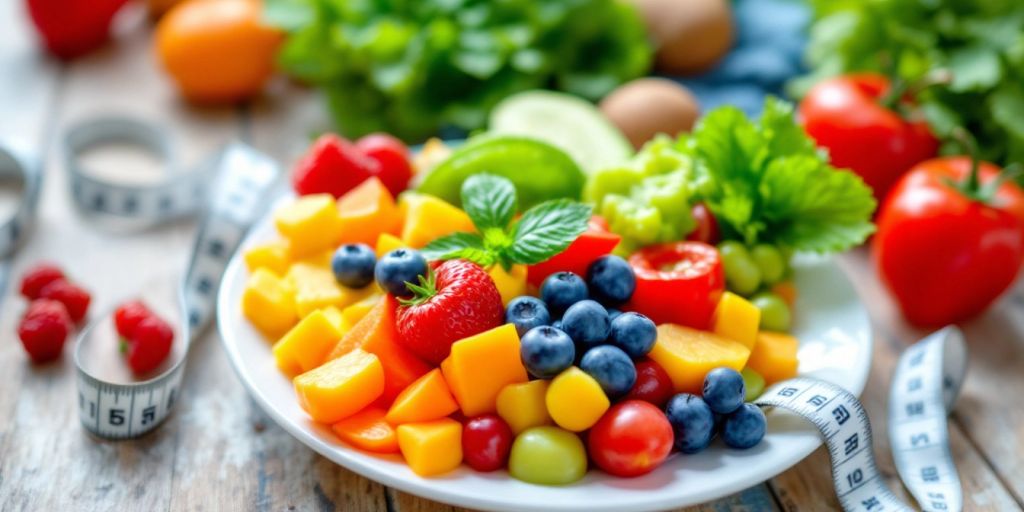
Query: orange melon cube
[(386, 243), (775, 356), (368, 431), (269, 303), (575, 400), (687, 355), (307, 344), (480, 366), (366, 212), (431, 448), (428, 217), (426, 399), (737, 319), (523, 405), (340, 388), (310, 223), (272, 256), (510, 283)]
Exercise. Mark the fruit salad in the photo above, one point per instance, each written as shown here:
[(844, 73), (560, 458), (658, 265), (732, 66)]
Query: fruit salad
[(484, 321)]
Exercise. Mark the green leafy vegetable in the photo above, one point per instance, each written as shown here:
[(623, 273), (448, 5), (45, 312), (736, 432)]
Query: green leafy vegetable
[(490, 201), (981, 42), (410, 67), (766, 183)]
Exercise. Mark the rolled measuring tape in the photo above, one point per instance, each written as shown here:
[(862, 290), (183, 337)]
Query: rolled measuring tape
[(924, 388), (230, 192), (18, 168)]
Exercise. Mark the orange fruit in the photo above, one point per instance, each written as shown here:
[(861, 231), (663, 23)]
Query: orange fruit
[(217, 51)]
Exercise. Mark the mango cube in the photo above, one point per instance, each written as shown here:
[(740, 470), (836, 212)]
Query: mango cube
[(480, 366), (737, 319), (523, 405), (310, 223), (341, 387), (426, 399), (320, 259), (431, 448), (386, 243), (511, 283), (315, 288), (366, 212), (353, 313), (687, 355), (272, 255), (575, 400), (268, 302), (307, 344), (428, 218), (775, 356)]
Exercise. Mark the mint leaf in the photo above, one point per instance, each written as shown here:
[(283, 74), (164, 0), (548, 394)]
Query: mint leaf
[(547, 229), (442, 248), (489, 200)]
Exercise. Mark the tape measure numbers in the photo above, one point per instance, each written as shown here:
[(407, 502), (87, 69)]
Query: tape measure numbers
[(923, 390), (230, 191)]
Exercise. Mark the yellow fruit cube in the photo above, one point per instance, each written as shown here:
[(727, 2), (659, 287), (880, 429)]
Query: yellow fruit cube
[(480, 366), (387, 242), (775, 356), (320, 259), (353, 313), (433, 447), (523, 405), (268, 302), (575, 400), (340, 387), (427, 218), (334, 316), (687, 355), (511, 283), (307, 344), (737, 319), (272, 256), (316, 288), (310, 223)]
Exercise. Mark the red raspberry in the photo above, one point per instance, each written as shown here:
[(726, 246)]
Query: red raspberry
[(332, 165), (43, 329), (394, 170), (149, 344), (37, 277), (128, 315), (74, 298)]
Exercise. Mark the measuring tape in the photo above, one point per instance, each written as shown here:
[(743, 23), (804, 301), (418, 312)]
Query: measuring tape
[(230, 191), (923, 391), (17, 167)]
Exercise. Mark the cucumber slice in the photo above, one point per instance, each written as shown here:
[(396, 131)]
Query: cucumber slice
[(538, 170), (571, 124)]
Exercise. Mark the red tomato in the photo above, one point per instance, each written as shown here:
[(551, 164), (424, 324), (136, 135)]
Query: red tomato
[(678, 282), (845, 116), (652, 385), (395, 170), (486, 442), (595, 242), (631, 439), (946, 256), (707, 227)]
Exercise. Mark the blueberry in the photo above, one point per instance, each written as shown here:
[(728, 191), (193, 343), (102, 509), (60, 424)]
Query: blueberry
[(586, 322), (724, 390), (633, 333), (611, 368), (561, 290), (557, 324), (398, 267), (611, 280), (613, 314), (745, 427), (353, 265), (546, 351), (692, 422), (526, 313)]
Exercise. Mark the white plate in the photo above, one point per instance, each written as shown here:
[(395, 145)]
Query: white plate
[(835, 345)]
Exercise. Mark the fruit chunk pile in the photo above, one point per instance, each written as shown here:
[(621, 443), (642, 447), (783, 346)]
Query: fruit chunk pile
[(555, 353)]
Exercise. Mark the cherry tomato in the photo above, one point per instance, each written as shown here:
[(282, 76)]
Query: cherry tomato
[(486, 442), (652, 385), (395, 169), (678, 282), (631, 439), (943, 249), (845, 115), (595, 242), (707, 227)]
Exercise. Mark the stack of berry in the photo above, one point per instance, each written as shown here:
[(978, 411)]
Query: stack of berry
[(56, 305)]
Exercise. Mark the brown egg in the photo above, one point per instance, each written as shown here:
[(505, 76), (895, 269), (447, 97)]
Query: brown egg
[(646, 107), (690, 35)]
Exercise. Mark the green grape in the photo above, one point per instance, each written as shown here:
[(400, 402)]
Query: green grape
[(775, 315), (753, 382), (769, 261), (547, 456), (741, 273)]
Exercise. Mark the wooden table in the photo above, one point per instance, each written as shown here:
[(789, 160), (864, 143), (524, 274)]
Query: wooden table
[(219, 451)]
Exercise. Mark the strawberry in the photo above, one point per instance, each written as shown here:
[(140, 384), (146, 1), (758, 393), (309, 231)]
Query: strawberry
[(458, 299), (149, 344), (394, 170), (128, 315), (332, 165), (43, 330), (74, 298), (37, 277)]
